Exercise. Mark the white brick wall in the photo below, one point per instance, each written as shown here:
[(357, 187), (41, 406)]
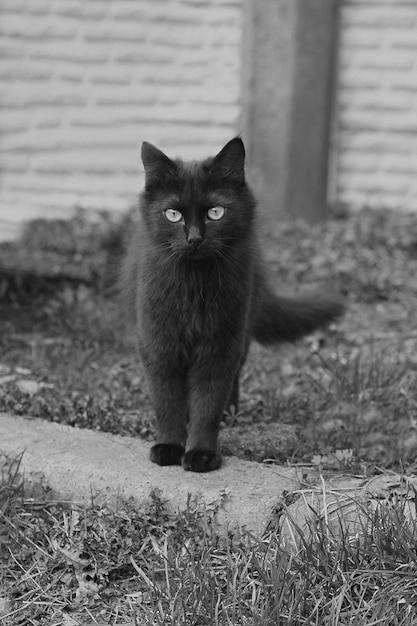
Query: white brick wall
[(83, 82), (375, 144)]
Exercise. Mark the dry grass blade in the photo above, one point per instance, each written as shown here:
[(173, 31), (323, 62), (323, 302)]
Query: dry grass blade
[(350, 404)]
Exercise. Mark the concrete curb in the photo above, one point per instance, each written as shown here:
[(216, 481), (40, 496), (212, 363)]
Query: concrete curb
[(77, 463)]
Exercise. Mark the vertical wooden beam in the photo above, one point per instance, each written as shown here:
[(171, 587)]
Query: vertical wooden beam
[(289, 51)]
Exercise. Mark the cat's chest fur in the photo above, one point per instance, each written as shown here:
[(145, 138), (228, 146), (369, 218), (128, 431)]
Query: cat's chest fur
[(182, 304)]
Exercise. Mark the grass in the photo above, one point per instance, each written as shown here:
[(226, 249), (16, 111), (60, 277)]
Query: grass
[(68, 564), (343, 401), (353, 387)]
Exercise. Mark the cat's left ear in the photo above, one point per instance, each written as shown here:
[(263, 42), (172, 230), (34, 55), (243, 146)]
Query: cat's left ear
[(155, 162), (230, 161)]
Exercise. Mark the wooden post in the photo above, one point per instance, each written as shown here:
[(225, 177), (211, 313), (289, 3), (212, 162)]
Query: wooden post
[(289, 52)]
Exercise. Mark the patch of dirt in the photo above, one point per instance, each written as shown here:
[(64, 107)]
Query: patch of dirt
[(348, 394)]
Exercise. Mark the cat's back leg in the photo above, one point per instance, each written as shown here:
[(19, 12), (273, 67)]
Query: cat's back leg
[(233, 400)]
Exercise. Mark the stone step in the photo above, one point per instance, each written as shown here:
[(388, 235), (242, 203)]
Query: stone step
[(77, 463)]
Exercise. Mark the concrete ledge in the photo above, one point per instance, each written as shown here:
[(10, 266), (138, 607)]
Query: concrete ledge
[(77, 463)]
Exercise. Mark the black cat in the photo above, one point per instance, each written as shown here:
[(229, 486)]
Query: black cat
[(194, 278)]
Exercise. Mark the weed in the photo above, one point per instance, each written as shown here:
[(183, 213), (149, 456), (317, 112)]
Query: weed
[(64, 563), (346, 401)]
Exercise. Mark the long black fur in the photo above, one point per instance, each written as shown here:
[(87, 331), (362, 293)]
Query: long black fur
[(199, 296)]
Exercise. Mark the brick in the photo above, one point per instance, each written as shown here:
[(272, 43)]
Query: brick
[(191, 37), (114, 181), (116, 31), (24, 73), (360, 38), (100, 157), (382, 60), (70, 72), (180, 13), (214, 96), (16, 163), (351, 79), (46, 119), (376, 183), (14, 7), (181, 139), (10, 50), (138, 94), (370, 142), (394, 184), (405, 82), (172, 13), (380, 16), (25, 7), (224, 37), (348, 164), (137, 56), (221, 3), (360, 120), (357, 200), (407, 40), (15, 120), (110, 117), (376, 100), (111, 77), (226, 16), (69, 52), (127, 10), (404, 123), (27, 206), (407, 168), (81, 10), (388, 60), (169, 76), (377, 162), (387, 3), (16, 27), (28, 95)]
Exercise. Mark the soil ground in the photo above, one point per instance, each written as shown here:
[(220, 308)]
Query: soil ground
[(342, 399)]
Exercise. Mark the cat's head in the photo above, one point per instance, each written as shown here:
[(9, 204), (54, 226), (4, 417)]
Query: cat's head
[(197, 209)]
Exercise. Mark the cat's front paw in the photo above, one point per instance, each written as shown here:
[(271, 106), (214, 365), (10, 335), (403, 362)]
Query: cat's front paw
[(167, 454), (201, 461)]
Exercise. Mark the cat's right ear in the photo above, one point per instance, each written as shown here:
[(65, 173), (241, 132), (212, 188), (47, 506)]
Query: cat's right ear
[(155, 162), (230, 161)]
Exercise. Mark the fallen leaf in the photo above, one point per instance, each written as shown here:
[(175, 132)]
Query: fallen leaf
[(5, 606), (7, 379), (23, 371), (31, 387)]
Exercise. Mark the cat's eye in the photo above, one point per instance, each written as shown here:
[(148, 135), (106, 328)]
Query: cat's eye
[(173, 216), (216, 213)]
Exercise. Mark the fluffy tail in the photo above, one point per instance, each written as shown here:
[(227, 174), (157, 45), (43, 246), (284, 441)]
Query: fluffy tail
[(276, 319)]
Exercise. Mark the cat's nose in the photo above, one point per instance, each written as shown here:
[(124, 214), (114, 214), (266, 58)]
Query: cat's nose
[(194, 237), (195, 241)]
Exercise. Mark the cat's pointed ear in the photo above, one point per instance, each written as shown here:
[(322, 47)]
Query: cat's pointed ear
[(230, 161), (155, 162)]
